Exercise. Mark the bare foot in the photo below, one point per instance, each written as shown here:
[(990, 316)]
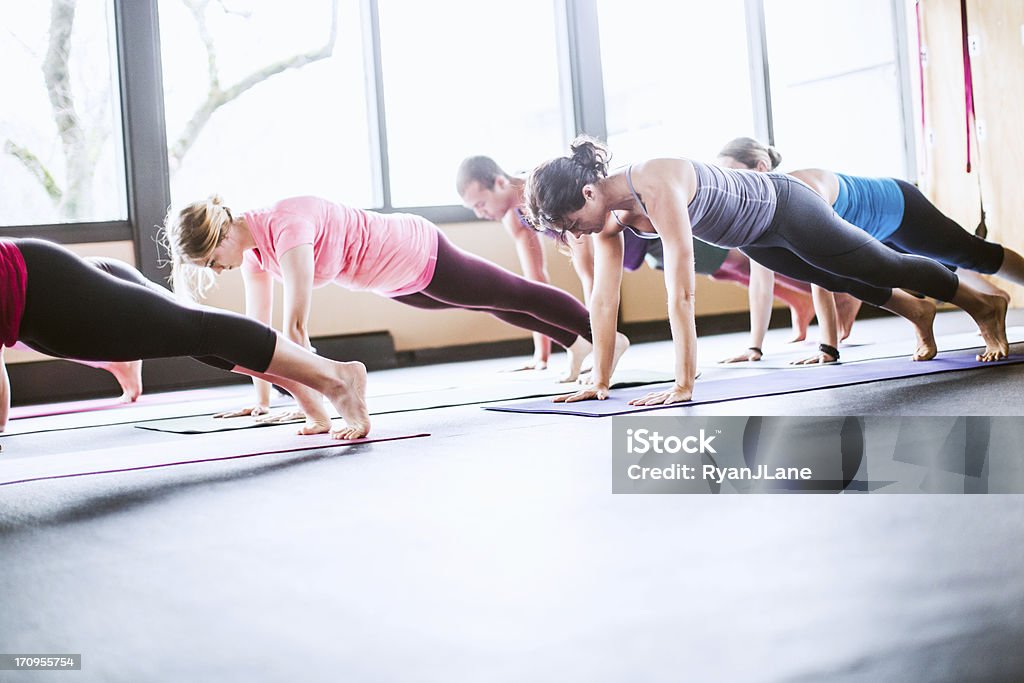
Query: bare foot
[(922, 317), (129, 375), (576, 353), (349, 399), (581, 349), (801, 317), (992, 324), (847, 307)]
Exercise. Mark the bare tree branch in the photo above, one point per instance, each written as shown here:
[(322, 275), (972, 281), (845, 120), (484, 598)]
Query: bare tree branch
[(36, 167), (57, 75), (217, 97), (198, 10)]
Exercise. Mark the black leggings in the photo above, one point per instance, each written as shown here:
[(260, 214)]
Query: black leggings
[(107, 311), (808, 241), (464, 280), (926, 231)]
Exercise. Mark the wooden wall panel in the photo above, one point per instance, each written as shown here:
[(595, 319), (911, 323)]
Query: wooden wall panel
[(998, 72)]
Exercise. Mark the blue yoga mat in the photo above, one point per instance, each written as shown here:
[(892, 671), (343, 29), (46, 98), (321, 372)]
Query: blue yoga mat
[(767, 384)]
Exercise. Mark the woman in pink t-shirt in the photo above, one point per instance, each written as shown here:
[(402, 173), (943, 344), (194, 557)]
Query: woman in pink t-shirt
[(308, 242)]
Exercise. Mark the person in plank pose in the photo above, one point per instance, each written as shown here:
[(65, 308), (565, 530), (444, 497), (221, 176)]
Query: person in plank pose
[(774, 219), (308, 242), (56, 303), (890, 210), (494, 195)]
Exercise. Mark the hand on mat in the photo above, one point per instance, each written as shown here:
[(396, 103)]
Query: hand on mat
[(282, 417), (585, 394), (817, 359), (254, 411), (749, 354), (674, 395)]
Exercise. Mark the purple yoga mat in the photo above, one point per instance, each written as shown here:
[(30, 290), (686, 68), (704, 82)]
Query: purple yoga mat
[(767, 384)]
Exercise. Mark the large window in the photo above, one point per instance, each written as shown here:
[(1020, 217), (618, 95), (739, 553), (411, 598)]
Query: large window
[(676, 77), (373, 103), (835, 91), (62, 157), (464, 77), (266, 99)]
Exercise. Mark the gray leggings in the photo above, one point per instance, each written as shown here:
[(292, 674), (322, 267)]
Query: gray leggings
[(808, 241)]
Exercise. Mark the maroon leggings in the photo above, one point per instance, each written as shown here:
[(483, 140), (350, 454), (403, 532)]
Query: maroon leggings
[(464, 280)]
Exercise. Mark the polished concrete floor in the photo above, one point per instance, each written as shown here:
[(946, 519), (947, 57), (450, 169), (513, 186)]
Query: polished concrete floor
[(494, 550)]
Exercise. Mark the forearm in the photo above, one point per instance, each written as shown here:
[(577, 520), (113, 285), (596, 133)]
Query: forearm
[(531, 256), (259, 306), (762, 282), (603, 320), (684, 338), (585, 272), (825, 308), (583, 264)]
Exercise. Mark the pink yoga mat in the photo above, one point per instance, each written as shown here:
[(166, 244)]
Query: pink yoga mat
[(314, 444), (164, 398)]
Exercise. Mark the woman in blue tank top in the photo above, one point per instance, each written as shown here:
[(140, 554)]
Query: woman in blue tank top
[(890, 210), (772, 218)]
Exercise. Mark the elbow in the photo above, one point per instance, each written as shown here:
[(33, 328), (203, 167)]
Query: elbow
[(599, 303), (686, 298)]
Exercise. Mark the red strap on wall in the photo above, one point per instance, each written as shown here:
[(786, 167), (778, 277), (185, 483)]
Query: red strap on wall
[(920, 64), (969, 115), (968, 81)]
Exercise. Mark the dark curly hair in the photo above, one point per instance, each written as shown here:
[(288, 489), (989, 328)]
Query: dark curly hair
[(555, 188)]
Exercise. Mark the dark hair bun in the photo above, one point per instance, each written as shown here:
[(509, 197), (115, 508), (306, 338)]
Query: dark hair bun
[(591, 155)]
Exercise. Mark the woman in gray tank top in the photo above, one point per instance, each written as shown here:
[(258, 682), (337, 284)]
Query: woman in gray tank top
[(772, 218)]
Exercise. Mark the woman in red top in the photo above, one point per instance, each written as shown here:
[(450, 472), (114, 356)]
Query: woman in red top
[(55, 302)]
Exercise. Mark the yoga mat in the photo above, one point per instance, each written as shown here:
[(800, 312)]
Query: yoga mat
[(196, 402), (206, 424), (767, 384), (112, 403), (136, 458), (425, 400), (201, 403), (780, 360)]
